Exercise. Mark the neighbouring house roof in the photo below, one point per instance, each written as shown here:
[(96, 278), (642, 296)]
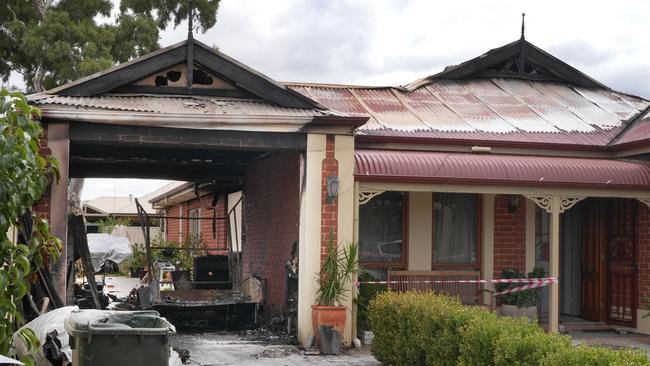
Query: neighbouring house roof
[(183, 192), (109, 206), (485, 169), (489, 99)]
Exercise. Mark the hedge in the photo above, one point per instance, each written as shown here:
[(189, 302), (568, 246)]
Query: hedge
[(415, 328)]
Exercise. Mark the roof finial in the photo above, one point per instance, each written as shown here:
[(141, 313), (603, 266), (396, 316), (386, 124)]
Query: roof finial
[(190, 20), (190, 46), (523, 25)]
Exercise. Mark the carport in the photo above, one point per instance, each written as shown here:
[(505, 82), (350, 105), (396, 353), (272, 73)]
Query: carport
[(189, 112)]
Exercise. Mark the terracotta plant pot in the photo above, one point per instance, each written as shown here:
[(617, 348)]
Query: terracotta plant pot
[(514, 312), (334, 316)]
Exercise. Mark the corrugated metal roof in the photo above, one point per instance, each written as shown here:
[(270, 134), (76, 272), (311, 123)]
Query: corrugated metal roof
[(177, 104), (459, 168), (636, 132), (496, 109)]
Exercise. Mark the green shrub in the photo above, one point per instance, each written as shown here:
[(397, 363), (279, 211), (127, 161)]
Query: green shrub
[(442, 346), (479, 338), (595, 356), (426, 329), (418, 328), (528, 350)]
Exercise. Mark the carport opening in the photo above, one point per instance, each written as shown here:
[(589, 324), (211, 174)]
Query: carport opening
[(222, 239)]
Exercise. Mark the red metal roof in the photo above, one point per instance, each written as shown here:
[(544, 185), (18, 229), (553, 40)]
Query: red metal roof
[(637, 132), (493, 109), (488, 169)]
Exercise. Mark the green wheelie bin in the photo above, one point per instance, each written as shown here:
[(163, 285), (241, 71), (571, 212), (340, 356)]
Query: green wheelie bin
[(119, 338)]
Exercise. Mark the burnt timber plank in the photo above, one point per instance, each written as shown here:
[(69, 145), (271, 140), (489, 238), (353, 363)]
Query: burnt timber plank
[(175, 90), (127, 74), (117, 136), (96, 168)]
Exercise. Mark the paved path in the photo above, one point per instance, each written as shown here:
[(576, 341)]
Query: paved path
[(211, 349), (613, 340)]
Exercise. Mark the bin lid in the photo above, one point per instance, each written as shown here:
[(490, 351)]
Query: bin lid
[(85, 322)]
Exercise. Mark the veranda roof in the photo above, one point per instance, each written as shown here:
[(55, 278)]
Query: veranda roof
[(484, 169)]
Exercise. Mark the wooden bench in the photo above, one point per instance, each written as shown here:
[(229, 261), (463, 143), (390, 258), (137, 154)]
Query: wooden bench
[(469, 293)]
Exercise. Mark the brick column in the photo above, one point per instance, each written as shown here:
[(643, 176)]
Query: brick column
[(329, 211), (509, 235)]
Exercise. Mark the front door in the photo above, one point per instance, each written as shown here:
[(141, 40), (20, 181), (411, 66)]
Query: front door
[(621, 261), (593, 263)]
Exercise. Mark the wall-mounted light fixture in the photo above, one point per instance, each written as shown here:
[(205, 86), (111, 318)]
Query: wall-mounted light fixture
[(332, 188), (513, 203)]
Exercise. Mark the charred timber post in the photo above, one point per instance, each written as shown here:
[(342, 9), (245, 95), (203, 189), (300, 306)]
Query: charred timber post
[(144, 224)]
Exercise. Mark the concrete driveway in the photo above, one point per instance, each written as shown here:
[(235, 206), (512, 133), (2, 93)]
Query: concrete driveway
[(210, 349)]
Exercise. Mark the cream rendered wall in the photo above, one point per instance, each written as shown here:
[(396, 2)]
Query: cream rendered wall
[(344, 155), (487, 251), (420, 231), (530, 234), (310, 227)]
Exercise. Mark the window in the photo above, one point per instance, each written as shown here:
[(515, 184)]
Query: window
[(381, 231), (456, 230), (195, 223), (180, 223)]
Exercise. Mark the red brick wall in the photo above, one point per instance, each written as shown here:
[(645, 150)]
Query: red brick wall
[(42, 207), (643, 233), (329, 211), (208, 241), (509, 235), (271, 217)]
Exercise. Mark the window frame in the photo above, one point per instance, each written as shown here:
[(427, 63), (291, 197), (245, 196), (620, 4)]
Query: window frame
[(194, 220), (403, 263), (442, 266)]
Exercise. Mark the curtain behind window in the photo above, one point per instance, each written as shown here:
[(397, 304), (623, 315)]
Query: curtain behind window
[(380, 229), (455, 218)]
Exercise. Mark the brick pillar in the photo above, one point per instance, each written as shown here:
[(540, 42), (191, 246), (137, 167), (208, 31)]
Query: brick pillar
[(509, 235), (329, 211), (42, 207)]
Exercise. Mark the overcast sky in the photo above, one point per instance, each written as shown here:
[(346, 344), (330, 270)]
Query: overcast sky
[(393, 42)]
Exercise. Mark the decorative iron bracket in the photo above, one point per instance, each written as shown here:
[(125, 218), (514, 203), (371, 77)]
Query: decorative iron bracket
[(568, 202), (546, 202), (646, 201), (543, 202), (366, 196)]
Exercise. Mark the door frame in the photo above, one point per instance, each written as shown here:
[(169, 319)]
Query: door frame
[(609, 211)]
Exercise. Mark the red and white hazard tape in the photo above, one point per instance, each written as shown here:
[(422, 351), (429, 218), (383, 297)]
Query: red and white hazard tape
[(540, 283), (529, 283)]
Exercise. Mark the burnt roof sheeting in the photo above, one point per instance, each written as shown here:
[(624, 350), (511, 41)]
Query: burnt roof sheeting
[(638, 131), (490, 109), (459, 168), (192, 105)]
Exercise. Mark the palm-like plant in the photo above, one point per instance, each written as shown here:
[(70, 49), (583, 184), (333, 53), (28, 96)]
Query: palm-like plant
[(336, 271)]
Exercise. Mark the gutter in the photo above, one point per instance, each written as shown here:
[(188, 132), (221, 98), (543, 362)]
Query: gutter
[(180, 120)]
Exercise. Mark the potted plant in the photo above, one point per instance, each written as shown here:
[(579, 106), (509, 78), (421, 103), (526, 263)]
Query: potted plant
[(336, 273), (521, 303), (184, 261), (138, 260)]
